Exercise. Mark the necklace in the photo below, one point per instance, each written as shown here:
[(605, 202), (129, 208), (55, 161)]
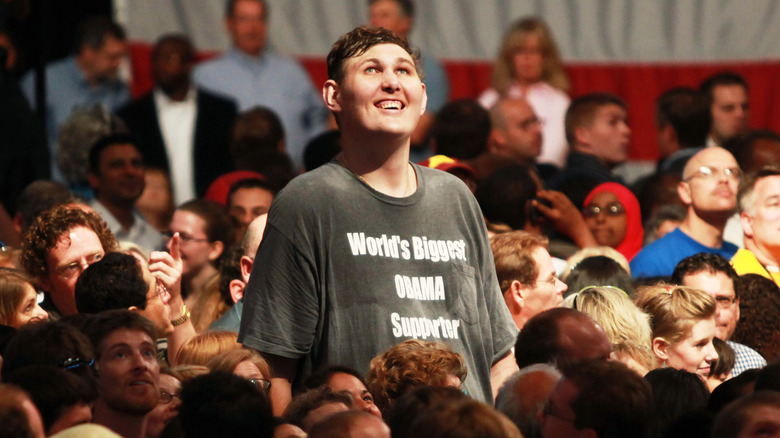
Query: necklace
[(344, 161)]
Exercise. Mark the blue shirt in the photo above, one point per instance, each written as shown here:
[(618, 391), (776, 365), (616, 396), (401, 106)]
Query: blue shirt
[(660, 257), (272, 81), (436, 84), (67, 88), (746, 358)]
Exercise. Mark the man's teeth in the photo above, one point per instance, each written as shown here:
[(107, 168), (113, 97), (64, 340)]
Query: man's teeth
[(390, 105)]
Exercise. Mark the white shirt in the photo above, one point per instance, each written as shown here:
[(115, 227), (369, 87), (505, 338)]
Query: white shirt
[(177, 124)]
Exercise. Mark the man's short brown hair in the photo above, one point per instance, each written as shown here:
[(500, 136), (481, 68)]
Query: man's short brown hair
[(45, 232), (583, 109), (512, 253), (358, 41)]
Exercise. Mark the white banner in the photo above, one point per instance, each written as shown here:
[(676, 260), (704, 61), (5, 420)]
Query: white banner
[(586, 30)]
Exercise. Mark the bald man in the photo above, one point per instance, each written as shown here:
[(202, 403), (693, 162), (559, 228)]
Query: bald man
[(709, 190), (232, 318)]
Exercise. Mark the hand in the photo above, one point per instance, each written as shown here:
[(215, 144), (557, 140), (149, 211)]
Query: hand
[(167, 267), (565, 217)]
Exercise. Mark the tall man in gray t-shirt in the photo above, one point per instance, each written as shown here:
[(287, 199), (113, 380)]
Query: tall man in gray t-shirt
[(370, 250)]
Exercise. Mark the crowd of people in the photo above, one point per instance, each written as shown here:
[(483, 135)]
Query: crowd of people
[(238, 254)]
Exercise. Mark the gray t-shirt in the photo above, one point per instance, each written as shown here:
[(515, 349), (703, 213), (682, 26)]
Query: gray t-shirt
[(344, 272)]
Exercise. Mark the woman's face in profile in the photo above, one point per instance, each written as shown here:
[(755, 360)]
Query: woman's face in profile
[(606, 218), (695, 353)]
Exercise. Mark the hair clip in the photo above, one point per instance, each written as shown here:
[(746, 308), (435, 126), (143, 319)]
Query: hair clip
[(669, 289)]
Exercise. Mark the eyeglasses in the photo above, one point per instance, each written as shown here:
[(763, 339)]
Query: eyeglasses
[(709, 172), (548, 412), (263, 384), (160, 291), (185, 238), (166, 398), (610, 210), (75, 362), (724, 303)]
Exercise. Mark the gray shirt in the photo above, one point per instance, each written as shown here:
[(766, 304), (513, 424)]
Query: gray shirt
[(344, 272)]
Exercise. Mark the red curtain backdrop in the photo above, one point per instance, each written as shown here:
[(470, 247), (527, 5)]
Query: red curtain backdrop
[(638, 84)]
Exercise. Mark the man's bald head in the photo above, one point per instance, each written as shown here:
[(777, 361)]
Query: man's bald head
[(254, 234), (560, 334), (251, 242), (712, 156)]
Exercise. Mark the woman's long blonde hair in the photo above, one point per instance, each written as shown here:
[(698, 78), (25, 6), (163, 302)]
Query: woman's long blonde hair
[(552, 70)]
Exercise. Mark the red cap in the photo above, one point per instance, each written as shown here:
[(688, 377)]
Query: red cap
[(445, 163), (218, 190)]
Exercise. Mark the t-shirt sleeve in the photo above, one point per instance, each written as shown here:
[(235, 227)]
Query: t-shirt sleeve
[(281, 305)]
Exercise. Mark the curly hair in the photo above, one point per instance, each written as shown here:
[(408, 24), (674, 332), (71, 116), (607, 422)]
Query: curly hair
[(758, 326), (513, 256), (626, 326), (199, 350), (674, 310), (409, 364), (50, 227)]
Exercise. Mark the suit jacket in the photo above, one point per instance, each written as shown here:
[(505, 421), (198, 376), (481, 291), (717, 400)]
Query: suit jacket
[(213, 124)]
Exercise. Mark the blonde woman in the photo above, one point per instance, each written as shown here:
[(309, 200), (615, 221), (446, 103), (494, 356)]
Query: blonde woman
[(199, 350), (626, 326), (683, 322), (529, 67)]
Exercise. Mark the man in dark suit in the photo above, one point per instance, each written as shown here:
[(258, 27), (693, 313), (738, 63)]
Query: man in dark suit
[(181, 129)]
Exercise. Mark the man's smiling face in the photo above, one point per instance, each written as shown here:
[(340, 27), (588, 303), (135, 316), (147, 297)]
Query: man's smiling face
[(380, 92)]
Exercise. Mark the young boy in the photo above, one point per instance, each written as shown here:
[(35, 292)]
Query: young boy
[(370, 250), (598, 136)]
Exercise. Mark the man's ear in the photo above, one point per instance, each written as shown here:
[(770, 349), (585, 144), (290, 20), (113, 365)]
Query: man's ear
[(684, 191), (424, 103), (661, 348), (246, 267), (582, 139), (236, 290), (514, 298), (331, 94), (92, 179), (496, 141), (747, 224), (216, 250)]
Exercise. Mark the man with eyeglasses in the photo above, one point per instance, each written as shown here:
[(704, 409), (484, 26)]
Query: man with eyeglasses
[(759, 208), (713, 274), (526, 275), (58, 247), (709, 190), (598, 399)]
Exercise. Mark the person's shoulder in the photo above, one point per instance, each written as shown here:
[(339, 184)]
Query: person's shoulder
[(136, 105), (215, 100), (652, 254)]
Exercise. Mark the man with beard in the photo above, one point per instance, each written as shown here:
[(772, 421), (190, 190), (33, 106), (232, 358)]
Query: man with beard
[(709, 190), (127, 370)]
